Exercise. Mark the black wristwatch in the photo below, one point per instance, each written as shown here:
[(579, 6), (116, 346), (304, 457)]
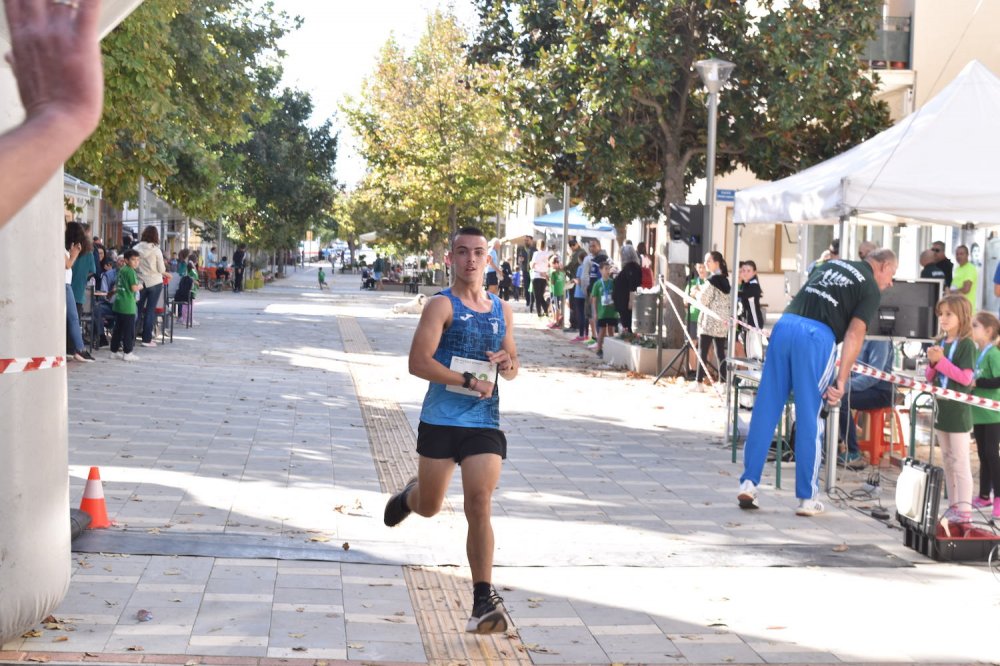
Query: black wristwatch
[(468, 377)]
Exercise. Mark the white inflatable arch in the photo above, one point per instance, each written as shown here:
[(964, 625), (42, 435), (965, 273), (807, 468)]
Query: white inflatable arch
[(34, 477)]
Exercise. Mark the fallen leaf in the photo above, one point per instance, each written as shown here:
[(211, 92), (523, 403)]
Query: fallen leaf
[(356, 646), (41, 659), (174, 600), (346, 546), (298, 648), (193, 662), (34, 633), (394, 619), (50, 619), (542, 649), (134, 648), (300, 609), (776, 627), (842, 548), (91, 654), (60, 639), (296, 635), (340, 508), (535, 599), (321, 539), (172, 572), (53, 626)]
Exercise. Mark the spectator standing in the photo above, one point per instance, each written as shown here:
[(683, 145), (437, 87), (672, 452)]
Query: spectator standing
[(602, 293), (952, 366), (575, 257), (943, 262), (124, 307), (835, 305), (750, 311), (864, 392), (239, 266), (626, 282), (493, 267), (557, 289), (580, 300), (515, 282), (83, 270), (151, 271), (647, 266), (75, 238), (597, 256), (378, 268), (965, 276), (929, 266), (506, 279), (985, 422), (540, 277), (524, 254), (714, 297)]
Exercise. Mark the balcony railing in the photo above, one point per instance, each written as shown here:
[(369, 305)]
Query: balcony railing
[(891, 47)]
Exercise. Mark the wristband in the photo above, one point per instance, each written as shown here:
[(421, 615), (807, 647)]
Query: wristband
[(467, 378)]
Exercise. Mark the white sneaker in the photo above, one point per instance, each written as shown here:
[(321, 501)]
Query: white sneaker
[(148, 344), (809, 507), (747, 496), (117, 354), (129, 357)]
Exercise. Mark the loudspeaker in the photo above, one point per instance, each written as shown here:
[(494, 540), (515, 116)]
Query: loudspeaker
[(687, 224)]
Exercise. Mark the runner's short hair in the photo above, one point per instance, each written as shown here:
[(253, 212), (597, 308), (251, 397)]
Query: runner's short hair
[(468, 231)]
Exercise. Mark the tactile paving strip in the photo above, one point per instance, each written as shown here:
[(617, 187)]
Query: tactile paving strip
[(439, 600)]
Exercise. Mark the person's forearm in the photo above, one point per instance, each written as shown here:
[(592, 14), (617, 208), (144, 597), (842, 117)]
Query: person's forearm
[(849, 354), (30, 154)]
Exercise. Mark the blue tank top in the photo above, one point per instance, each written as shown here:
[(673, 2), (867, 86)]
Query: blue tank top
[(470, 335)]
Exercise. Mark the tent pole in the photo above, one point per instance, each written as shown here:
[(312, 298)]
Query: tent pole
[(731, 338)]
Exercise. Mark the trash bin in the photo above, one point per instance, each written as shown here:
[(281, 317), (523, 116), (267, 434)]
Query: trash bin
[(644, 314)]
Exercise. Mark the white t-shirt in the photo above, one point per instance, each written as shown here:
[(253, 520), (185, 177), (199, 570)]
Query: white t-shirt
[(540, 264), (69, 271)]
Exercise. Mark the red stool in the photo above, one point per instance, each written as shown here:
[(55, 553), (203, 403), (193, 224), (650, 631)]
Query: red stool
[(873, 437)]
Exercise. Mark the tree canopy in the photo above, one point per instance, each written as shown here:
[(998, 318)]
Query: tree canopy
[(185, 80), (437, 147), (603, 94)]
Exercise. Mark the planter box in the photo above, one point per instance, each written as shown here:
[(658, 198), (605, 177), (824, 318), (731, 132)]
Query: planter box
[(622, 354)]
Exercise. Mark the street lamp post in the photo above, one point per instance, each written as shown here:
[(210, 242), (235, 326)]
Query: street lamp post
[(714, 74)]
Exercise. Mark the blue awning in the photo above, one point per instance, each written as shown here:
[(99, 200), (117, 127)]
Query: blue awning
[(579, 223)]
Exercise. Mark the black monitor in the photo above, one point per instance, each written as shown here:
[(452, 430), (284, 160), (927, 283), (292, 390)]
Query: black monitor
[(908, 309)]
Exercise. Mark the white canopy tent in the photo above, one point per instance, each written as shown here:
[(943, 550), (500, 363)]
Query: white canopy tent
[(939, 164), (579, 224)]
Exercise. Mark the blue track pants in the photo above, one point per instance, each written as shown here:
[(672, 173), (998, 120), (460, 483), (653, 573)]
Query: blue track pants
[(800, 359)]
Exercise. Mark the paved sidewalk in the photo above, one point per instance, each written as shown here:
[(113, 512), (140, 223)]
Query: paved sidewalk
[(269, 434)]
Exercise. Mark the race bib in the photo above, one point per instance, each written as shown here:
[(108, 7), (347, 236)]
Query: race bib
[(483, 370)]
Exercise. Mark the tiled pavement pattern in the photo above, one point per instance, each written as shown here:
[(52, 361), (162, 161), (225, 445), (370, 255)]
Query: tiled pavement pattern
[(249, 424)]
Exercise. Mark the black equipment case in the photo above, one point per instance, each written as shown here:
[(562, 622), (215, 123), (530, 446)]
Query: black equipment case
[(918, 499)]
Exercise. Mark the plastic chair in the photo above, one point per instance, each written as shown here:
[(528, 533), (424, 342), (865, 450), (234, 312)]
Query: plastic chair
[(873, 439), (165, 313)]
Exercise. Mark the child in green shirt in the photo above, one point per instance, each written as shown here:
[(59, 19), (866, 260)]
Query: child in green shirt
[(322, 279), (604, 305), (126, 288), (986, 422), (557, 290)]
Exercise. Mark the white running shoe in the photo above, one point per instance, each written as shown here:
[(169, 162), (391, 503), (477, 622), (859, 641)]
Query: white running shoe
[(748, 495), (148, 344), (130, 357), (809, 507)]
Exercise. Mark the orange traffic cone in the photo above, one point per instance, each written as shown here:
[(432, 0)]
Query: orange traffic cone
[(93, 501)]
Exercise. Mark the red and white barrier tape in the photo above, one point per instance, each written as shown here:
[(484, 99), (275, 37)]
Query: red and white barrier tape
[(908, 382), (701, 307), (9, 366)]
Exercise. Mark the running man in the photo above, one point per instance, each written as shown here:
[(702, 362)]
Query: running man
[(464, 341)]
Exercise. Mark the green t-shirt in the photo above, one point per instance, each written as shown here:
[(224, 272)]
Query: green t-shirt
[(837, 292), (693, 312), (987, 367), (602, 291), (557, 283), (963, 274), (955, 416), (124, 296)]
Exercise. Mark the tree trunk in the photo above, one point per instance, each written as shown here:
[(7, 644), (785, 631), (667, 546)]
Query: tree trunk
[(676, 274)]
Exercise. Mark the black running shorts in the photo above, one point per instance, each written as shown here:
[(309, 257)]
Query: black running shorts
[(491, 279), (457, 443)]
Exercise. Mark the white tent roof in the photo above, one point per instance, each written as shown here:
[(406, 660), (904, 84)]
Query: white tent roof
[(940, 163)]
